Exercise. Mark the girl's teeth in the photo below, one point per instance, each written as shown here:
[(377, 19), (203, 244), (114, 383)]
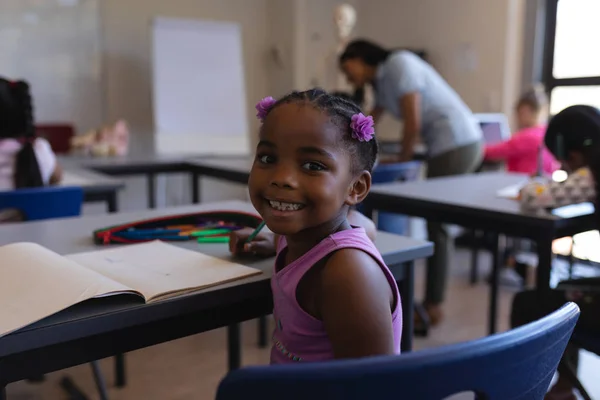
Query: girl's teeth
[(278, 205)]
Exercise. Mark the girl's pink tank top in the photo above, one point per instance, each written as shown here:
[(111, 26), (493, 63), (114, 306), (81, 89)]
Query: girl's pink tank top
[(298, 336)]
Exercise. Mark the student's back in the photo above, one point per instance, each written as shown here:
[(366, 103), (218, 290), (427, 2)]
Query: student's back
[(25, 161)]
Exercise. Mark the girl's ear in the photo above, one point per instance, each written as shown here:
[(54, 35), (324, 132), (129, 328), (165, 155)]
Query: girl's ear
[(359, 189)]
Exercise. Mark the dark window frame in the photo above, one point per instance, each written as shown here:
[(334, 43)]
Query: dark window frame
[(550, 82)]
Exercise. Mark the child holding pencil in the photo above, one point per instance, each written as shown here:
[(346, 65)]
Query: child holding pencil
[(333, 295)]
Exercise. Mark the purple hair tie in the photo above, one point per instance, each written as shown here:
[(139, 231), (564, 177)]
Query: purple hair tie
[(264, 106), (362, 127)]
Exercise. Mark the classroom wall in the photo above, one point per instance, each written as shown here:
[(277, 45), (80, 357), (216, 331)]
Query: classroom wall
[(302, 44), (476, 45), (55, 47)]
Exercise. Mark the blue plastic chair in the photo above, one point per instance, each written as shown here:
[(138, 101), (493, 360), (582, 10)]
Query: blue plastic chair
[(386, 173), (44, 202), (514, 365)]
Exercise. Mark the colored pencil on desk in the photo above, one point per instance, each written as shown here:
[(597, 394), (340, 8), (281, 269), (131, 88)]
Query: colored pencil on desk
[(256, 232), (210, 232), (213, 239)]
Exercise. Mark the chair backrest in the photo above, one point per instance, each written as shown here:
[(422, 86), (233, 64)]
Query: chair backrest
[(518, 364), (58, 135), (44, 203)]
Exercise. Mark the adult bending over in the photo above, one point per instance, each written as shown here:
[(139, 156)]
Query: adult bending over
[(412, 91)]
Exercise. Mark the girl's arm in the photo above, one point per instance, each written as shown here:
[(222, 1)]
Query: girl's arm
[(579, 187), (354, 301), (518, 145), (57, 174), (410, 106)]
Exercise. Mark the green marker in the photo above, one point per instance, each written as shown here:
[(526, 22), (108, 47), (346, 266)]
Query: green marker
[(213, 239), (256, 232)]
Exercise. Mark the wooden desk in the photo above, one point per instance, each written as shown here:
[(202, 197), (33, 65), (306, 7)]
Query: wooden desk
[(104, 327), (471, 201)]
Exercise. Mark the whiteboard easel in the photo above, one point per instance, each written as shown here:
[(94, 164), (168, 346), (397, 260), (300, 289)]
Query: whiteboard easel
[(199, 94)]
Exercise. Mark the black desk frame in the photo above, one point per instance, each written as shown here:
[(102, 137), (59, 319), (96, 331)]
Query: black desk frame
[(542, 231), (52, 347)]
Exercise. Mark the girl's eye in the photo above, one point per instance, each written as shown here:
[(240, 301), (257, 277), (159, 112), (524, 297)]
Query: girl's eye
[(313, 166), (265, 159)]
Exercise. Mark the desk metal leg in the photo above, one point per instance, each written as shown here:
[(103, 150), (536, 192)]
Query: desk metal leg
[(120, 379), (474, 256), (195, 188), (262, 331), (234, 346), (151, 190), (111, 202), (408, 301), (492, 317), (544, 253)]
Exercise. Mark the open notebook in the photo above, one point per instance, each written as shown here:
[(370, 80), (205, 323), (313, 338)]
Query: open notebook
[(36, 282)]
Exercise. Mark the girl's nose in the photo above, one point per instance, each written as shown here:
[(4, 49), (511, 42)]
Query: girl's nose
[(284, 177)]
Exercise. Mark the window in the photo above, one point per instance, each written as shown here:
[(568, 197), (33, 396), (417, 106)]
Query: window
[(571, 55)]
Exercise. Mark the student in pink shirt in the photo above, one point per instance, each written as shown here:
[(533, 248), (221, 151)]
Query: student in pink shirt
[(520, 152)]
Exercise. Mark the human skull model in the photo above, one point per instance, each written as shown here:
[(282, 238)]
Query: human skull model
[(344, 17)]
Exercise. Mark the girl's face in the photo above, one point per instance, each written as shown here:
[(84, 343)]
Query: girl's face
[(300, 181), (526, 116)]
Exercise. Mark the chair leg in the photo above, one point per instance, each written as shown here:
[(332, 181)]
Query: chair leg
[(569, 373), (474, 257), (71, 389), (423, 330), (571, 263), (120, 379), (99, 379)]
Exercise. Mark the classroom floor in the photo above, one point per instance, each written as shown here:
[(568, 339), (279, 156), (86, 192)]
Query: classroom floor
[(191, 368)]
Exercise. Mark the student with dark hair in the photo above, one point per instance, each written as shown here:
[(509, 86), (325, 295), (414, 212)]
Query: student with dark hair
[(25, 161), (411, 90), (573, 136), (521, 151), (333, 295)]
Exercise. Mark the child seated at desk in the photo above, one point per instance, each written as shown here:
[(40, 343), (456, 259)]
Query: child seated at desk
[(579, 185), (333, 295), (573, 136), (25, 161), (521, 151)]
